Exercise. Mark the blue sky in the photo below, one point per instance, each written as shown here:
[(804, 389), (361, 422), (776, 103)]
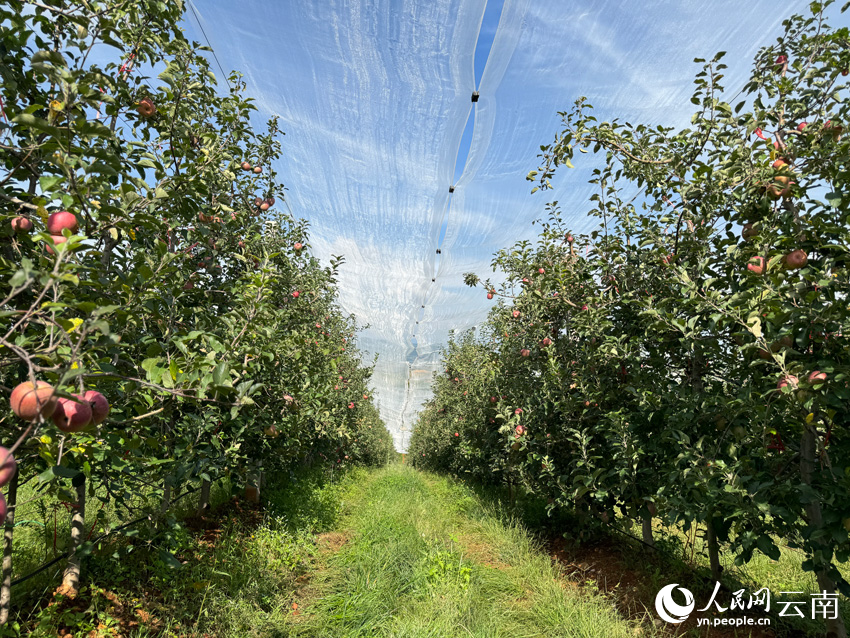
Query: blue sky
[(374, 97)]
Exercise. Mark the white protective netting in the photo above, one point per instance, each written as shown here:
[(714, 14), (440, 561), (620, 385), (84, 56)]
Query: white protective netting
[(374, 97)]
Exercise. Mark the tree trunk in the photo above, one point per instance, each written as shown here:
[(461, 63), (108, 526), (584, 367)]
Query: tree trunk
[(204, 501), (646, 530), (71, 578), (808, 446), (713, 550), (6, 589)]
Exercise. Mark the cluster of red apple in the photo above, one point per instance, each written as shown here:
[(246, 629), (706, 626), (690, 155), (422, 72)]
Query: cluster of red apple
[(816, 377), (794, 260), (263, 204), (29, 402), (56, 223), (246, 166)]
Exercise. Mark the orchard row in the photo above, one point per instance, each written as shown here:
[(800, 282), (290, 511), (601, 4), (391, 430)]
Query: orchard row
[(161, 325), (687, 359)]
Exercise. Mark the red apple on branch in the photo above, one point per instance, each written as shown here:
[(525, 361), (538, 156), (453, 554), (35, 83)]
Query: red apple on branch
[(27, 401), (757, 265), (57, 222), (8, 466), (99, 406), (146, 108), (21, 224), (787, 381), (796, 259), (72, 415)]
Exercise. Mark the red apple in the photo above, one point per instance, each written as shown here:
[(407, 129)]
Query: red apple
[(789, 380), (8, 465), (258, 201), (520, 429), (802, 125), (570, 239), (834, 129), (515, 314), (57, 222), (749, 232), (817, 377), (493, 399), (99, 406), (264, 206), (525, 352), (541, 271), (296, 294), (489, 295), (28, 402), (298, 246), (778, 189), (246, 166), (456, 434), (546, 342), (796, 259), (21, 224), (72, 415), (757, 265), (146, 108), (258, 170)]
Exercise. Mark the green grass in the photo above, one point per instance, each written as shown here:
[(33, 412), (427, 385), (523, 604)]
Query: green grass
[(684, 554), (237, 574), (382, 553), (427, 558)]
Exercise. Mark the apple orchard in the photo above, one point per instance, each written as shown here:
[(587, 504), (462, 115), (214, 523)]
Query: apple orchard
[(163, 323), (688, 359)]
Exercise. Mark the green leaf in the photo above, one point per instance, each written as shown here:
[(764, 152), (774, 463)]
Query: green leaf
[(25, 119)]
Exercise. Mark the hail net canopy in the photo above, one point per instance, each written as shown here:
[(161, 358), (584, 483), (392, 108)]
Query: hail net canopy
[(375, 97)]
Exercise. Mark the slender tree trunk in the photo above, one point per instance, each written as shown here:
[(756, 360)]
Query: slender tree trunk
[(166, 497), (646, 529), (6, 589), (834, 627), (204, 501), (713, 550), (71, 577)]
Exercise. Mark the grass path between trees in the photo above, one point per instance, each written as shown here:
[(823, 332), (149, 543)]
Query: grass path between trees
[(419, 555)]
